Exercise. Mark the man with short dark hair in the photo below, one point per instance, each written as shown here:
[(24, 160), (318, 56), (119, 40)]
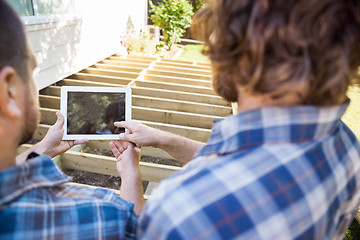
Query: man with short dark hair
[(286, 166), (35, 202)]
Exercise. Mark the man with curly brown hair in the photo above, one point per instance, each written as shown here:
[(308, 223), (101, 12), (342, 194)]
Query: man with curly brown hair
[(286, 166)]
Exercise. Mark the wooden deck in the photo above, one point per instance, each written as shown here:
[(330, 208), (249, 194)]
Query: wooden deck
[(175, 96)]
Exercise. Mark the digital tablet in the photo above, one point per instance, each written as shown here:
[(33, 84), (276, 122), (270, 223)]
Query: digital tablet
[(90, 112)]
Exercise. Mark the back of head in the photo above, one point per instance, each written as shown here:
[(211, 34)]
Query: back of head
[(307, 48), (13, 43)]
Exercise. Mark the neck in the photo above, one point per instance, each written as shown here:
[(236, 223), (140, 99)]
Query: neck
[(6, 161), (8, 151), (249, 101)]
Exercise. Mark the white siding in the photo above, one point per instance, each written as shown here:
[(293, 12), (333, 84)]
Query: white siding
[(65, 45)]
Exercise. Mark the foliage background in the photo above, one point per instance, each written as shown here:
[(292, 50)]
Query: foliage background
[(172, 17)]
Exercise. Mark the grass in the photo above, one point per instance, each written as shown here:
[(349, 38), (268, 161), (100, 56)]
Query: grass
[(192, 52), (352, 119), (352, 115)]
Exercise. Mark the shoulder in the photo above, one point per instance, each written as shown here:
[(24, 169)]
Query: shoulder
[(71, 211)]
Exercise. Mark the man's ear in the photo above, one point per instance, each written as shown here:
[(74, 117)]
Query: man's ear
[(10, 92)]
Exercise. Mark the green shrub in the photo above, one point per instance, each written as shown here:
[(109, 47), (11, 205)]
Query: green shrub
[(172, 17), (353, 232), (197, 4)]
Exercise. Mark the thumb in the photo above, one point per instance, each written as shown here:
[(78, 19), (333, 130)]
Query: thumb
[(60, 120), (131, 146), (131, 150)]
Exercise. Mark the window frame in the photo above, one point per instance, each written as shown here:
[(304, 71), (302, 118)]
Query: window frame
[(37, 18), (35, 8)]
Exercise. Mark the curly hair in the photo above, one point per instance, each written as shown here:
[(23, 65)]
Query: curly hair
[(308, 48)]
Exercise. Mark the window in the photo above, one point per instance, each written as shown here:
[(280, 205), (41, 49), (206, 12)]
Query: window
[(54, 7), (22, 7), (42, 7)]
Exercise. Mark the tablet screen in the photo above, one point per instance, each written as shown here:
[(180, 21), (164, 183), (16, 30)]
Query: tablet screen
[(90, 112)]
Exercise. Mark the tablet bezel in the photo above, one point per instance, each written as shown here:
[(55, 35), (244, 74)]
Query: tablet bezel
[(63, 109)]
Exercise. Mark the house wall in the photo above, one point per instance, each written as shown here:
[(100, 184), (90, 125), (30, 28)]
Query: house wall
[(64, 45)]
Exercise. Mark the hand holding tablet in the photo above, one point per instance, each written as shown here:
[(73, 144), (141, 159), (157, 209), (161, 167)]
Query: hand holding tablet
[(90, 112)]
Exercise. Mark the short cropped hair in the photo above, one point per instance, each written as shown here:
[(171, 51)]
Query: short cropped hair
[(309, 48), (13, 42)]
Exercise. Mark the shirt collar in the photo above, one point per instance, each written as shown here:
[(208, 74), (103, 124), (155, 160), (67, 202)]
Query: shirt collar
[(272, 125), (41, 171)]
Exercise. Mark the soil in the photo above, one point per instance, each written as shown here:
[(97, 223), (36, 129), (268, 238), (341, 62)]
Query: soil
[(106, 181), (94, 179), (109, 153)]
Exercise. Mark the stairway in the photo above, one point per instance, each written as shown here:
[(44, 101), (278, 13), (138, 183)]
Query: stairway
[(175, 96)]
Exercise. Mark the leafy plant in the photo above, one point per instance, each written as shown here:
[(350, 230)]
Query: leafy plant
[(197, 4), (172, 17), (137, 43), (353, 232)]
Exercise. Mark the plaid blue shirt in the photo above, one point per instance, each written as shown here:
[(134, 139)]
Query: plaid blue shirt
[(35, 204), (271, 173)]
